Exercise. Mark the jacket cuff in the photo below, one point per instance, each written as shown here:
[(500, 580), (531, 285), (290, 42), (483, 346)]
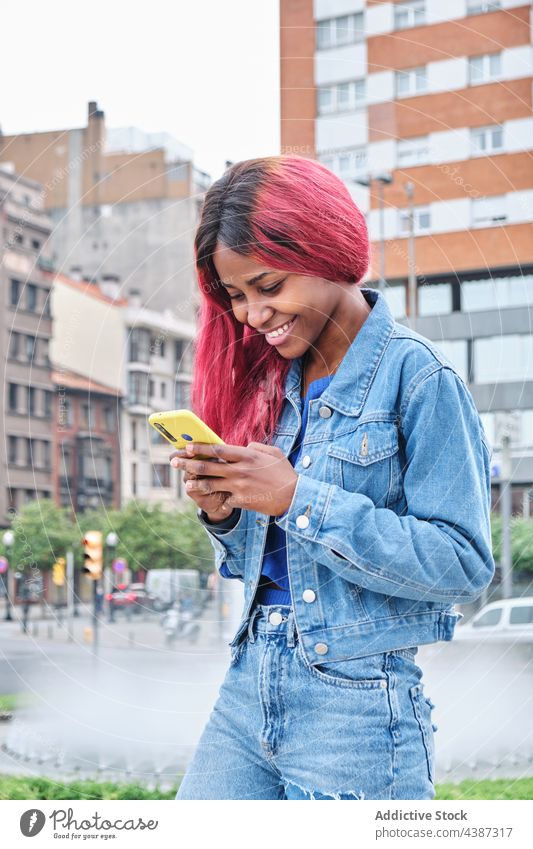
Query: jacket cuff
[(307, 509), (226, 524)]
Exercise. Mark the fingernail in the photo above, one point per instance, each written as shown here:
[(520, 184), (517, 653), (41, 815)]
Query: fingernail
[(189, 448)]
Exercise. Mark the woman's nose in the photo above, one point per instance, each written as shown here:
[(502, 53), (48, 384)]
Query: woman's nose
[(258, 315)]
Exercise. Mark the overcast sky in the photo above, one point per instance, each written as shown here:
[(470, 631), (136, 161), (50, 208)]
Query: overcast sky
[(206, 71)]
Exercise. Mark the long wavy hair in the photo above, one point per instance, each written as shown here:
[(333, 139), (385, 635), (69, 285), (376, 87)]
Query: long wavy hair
[(290, 213)]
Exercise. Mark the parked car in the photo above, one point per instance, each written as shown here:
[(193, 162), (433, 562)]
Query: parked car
[(133, 598), (510, 619)]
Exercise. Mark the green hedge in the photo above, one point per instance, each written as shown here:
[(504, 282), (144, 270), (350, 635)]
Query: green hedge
[(14, 787)]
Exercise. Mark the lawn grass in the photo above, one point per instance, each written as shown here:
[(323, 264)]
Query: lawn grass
[(17, 787)]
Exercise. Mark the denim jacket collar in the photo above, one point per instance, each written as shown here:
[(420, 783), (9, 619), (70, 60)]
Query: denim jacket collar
[(352, 380)]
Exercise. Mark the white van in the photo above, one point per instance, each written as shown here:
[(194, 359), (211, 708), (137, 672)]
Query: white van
[(510, 619), (167, 585)]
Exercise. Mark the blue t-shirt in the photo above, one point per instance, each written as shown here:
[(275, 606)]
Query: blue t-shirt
[(274, 568)]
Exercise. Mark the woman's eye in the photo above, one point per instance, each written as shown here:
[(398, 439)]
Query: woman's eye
[(272, 289)]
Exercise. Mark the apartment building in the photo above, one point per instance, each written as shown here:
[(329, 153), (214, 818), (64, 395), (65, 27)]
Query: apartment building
[(123, 202), (424, 109), (26, 420), (115, 362), (157, 376), (86, 467)]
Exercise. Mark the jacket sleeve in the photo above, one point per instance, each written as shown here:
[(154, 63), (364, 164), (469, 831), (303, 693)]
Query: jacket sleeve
[(439, 549), (228, 539)]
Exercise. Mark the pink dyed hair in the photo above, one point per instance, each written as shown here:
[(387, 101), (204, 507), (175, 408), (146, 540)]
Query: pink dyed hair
[(290, 213)]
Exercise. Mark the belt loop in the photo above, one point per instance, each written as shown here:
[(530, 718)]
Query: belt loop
[(254, 613), (291, 629)]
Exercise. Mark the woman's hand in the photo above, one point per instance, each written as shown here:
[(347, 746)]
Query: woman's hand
[(214, 505), (258, 477)]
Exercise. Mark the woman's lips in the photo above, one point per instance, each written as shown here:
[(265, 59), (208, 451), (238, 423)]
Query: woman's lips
[(278, 340)]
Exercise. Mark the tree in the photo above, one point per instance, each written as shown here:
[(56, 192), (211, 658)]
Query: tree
[(151, 537), (521, 542)]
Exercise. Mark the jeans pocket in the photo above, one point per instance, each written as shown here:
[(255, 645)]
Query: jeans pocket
[(365, 673), (422, 710)]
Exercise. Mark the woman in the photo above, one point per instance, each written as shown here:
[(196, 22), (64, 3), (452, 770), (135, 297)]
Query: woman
[(352, 498)]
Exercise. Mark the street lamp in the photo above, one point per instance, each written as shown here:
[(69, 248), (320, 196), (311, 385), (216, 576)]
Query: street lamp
[(111, 542), (8, 539), (384, 179)]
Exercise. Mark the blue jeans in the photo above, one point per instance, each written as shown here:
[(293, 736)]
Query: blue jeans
[(283, 729)]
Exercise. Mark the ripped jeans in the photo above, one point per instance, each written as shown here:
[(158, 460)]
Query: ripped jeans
[(283, 729)]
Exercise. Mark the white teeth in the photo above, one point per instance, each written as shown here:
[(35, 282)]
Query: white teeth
[(281, 330)]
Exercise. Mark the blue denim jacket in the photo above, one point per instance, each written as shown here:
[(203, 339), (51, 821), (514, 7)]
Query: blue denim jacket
[(389, 524)]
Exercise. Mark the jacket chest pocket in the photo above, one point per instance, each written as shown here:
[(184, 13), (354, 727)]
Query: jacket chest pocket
[(368, 461)]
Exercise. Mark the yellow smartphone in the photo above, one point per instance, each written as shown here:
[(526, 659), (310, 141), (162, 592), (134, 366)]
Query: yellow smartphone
[(182, 426)]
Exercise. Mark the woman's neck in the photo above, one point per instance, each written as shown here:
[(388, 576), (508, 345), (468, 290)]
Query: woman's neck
[(324, 357)]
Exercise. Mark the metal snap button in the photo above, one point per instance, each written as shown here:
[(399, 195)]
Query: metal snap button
[(321, 648), (302, 522), (324, 412), (308, 595), (275, 618), (306, 461)]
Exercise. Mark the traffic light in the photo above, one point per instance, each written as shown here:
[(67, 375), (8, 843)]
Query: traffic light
[(93, 555), (58, 572)]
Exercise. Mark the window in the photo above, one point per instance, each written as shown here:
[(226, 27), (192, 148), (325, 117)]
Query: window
[(19, 238), (421, 220), (85, 415), (64, 410), (521, 615), (497, 293), (161, 475), (15, 290), (31, 297), (163, 390), (157, 346), (179, 349), (29, 452), (47, 404), (46, 455), (484, 69), (340, 97), (478, 7), (134, 478), (47, 312), (12, 397), (334, 32), (485, 140), (134, 436), (14, 346), (151, 388), (412, 13), (411, 152), (491, 617), (30, 348), (139, 345), (435, 299), (65, 463), (36, 245), (348, 164), (109, 420), (12, 449), (411, 82), (488, 211), (138, 388), (182, 395), (501, 359), (396, 299), (456, 351), (30, 394)]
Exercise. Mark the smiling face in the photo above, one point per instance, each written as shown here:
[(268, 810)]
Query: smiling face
[(321, 315)]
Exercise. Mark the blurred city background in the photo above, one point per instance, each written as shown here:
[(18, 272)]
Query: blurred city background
[(113, 640)]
